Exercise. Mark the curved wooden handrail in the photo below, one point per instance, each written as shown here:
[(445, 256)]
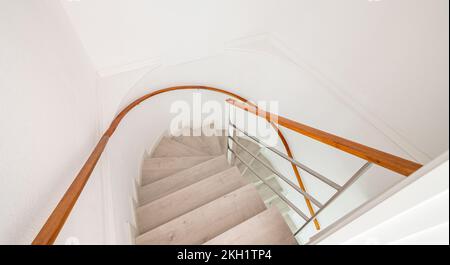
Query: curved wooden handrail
[(48, 233), (391, 162)]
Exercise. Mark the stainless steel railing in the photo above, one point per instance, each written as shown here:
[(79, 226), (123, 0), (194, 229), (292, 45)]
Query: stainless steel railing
[(233, 147)]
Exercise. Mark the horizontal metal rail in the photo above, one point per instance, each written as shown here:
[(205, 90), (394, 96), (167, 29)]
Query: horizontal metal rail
[(290, 183), (290, 204), (300, 165), (339, 189), (386, 160), (352, 180)]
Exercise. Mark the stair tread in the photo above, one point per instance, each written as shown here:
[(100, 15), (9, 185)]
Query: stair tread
[(223, 140), (170, 148), (182, 179), (196, 138), (266, 228), (282, 207), (195, 226), (213, 143), (266, 192), (191, 195), (262, 170), (195, 142), (186, 199), (156, 168), (249, 145)]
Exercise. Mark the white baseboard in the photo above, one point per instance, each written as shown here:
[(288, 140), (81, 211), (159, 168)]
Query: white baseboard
[(132, 232)]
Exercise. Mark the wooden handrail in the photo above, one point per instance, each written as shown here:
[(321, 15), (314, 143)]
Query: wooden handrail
[(50, 230), (391, 162)]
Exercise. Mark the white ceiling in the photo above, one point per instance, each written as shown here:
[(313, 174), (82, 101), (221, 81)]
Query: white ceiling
[(117, 32), (389, 57)]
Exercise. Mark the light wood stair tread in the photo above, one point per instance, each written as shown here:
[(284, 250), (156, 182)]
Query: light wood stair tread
[(184, 200), (209, 220), (170, 148), (196, 142), (190, 194), (156, 168), (266, 228), (183, 179), (214, 144)]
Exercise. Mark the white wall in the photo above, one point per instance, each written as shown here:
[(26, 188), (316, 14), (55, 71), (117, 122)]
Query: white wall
[(388, 60), (48, 123), (415, 211), (112, 90), (388, 57)]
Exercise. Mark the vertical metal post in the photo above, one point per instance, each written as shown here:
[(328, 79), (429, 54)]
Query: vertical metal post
[(231, 146), (349, 183)]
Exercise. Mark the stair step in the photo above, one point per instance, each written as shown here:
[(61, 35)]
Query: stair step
[(207, 221), (251, 177), (223, 139), (183, 179), (261, 169), (266, 192), (184, 200), (290, 223), (171, 148), (251, 146), (154, 169), (282, 207), (195, 142), (266, 228), (214, 144)]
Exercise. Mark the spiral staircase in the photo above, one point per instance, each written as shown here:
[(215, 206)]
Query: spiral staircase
[(191, 194)]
